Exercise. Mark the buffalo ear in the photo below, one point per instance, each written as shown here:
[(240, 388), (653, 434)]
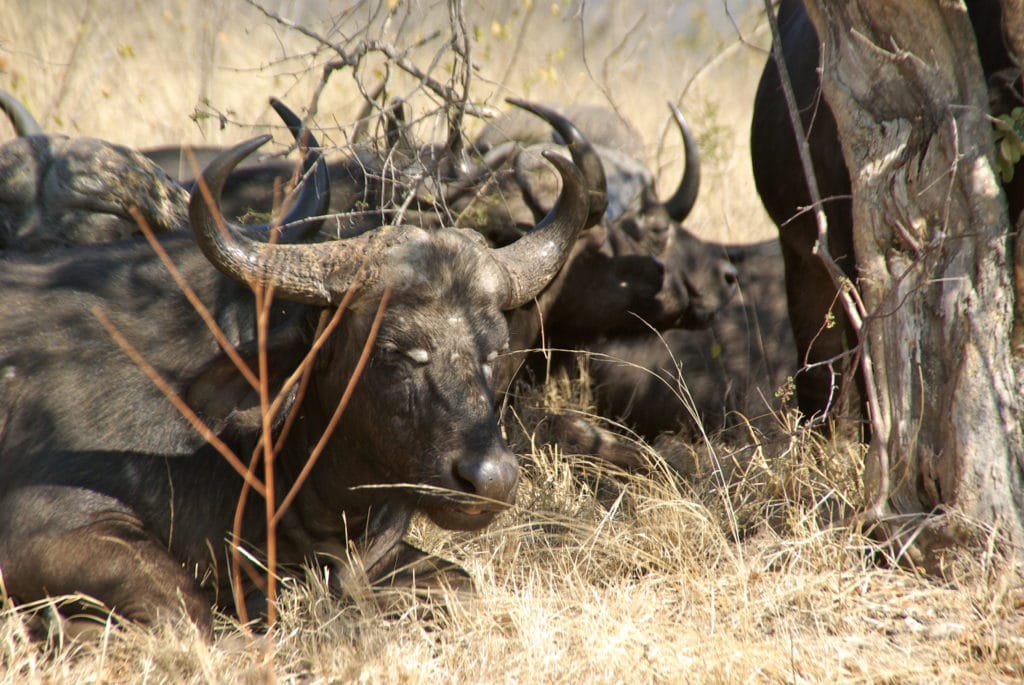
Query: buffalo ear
[(222, 397)]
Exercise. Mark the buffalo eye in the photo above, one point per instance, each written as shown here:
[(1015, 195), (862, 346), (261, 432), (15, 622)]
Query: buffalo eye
[(395, 354), (418, 355)]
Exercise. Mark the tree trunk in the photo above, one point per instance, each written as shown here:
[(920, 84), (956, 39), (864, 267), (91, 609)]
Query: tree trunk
[(935, 262)]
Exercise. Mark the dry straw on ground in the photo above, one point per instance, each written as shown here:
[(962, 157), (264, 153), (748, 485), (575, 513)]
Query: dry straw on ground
[(724, 564)]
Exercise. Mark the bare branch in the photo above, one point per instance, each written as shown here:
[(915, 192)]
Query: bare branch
[(339, 410), (352, 58), (193, 299)]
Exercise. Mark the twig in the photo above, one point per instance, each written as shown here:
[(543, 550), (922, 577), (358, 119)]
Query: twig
[(353, 57), (339, 410), (197, 304), (463, 72)]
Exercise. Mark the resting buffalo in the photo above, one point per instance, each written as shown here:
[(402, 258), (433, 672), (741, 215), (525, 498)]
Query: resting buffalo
[(106, 490), (734, 367), (57, 191), (780, 182), (664, 276), (689, 381)]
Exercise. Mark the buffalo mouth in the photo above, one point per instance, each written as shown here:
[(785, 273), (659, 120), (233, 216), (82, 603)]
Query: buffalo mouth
[(461, 513), (697, 317)]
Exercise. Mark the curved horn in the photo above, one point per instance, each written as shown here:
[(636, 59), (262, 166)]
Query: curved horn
[(583, 154), (533, 260), (681, 203), (24, 123), (314, 198), (314, 274)]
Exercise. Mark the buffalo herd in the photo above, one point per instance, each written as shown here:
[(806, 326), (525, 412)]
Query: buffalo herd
[(368, 314)]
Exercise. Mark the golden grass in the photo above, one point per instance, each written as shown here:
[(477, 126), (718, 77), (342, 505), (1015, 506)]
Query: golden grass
[(598, 576), (725, 564)]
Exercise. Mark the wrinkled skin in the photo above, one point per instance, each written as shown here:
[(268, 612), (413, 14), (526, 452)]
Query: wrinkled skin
[(810, 293), (106, 490)]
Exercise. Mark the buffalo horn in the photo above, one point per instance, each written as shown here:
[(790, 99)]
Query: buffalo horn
[(679, 205), (314, 197), (296, 271), (24, 123), (533, 260), (320, 274), (583, 154)]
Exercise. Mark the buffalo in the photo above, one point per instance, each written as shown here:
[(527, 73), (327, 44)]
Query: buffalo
[(637, 270), (733, 373), (820, 328), (733, 364), (664, 276), (57, 191), (107, 490)]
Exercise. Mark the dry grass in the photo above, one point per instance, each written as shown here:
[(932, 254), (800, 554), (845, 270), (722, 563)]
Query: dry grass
[(726, 566), (732, 574)]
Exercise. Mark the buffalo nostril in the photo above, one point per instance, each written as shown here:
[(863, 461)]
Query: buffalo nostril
[(730, 275)]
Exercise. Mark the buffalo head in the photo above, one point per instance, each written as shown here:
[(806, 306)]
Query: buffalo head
[(637, 267), (423, 412)]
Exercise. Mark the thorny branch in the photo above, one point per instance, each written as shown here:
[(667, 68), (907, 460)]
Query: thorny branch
[(354, 56)]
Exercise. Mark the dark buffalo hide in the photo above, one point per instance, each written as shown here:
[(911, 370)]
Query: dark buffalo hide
[(57, 191)]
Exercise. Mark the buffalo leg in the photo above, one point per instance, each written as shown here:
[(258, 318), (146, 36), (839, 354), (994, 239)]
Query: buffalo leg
[(823, 335), (110, 558)]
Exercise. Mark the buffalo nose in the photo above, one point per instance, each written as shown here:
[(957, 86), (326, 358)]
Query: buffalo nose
[(493, 477)]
